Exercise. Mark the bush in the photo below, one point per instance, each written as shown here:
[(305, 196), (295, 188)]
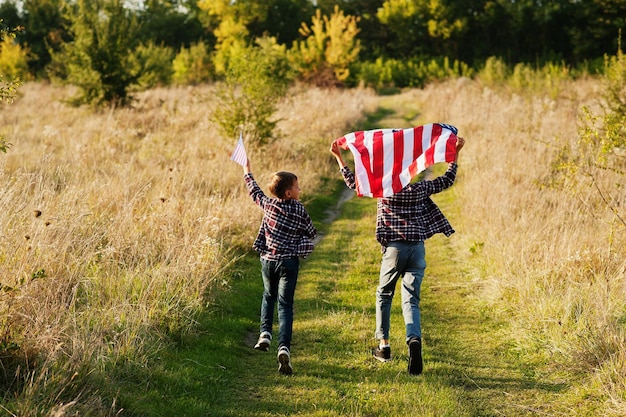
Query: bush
[(13, 59), (415, 72), (193, 65), (257, 78), (495, 72), (7, 90), (155, 65), (331, 46), (99, 60)]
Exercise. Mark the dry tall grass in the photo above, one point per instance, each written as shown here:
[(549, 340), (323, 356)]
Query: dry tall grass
[(116, 224), (553, 262)]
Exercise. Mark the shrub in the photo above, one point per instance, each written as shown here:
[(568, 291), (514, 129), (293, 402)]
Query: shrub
[(99, 60), (330, 47), (257, 78), (416, 72), (7, 90), (495, 72), (192, 65), (154, 65), (13, 59)]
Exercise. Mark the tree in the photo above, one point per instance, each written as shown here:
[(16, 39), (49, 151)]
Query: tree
[(407, 27), (229, 22), (44, 30), (99, 59), (324, 57), (170, 23), (269, 18), (7, 90), (257, 78), (283, 19)]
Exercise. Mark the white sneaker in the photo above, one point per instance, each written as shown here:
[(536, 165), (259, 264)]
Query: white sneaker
[(284, 361), (265, 339)]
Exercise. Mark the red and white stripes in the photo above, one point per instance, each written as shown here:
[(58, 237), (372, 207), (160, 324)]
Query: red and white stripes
[(386, 160)]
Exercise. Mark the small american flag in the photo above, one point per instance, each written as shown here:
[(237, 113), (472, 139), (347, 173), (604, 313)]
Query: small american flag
[(239, 154), (386, 160)]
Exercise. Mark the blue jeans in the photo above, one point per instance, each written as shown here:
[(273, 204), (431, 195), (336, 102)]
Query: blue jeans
[(279, 283), (406, 260)]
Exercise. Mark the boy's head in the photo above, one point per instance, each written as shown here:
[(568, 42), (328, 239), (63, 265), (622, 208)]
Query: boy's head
[(284, 185)]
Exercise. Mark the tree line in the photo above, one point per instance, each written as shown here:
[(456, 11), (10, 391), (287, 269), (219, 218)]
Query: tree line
[(107, 46)]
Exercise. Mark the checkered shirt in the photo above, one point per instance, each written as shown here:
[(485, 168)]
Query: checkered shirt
[(286, 230), (410, 215)]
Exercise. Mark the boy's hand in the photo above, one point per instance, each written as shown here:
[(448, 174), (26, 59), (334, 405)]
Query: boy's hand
[(460, 142), (246, 168), (334, 149)]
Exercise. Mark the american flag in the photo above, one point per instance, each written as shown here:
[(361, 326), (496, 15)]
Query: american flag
[(239, 154), (386, 160)]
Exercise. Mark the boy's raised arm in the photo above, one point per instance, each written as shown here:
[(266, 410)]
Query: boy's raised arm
[(336, 151)]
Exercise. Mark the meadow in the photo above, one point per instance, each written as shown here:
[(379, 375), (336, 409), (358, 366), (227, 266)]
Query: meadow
[(118, 225)]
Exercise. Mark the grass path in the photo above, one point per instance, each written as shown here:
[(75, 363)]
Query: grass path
[(467, 368)]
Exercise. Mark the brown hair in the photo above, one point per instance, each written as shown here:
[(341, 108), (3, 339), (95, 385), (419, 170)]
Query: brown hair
[(280, 182)]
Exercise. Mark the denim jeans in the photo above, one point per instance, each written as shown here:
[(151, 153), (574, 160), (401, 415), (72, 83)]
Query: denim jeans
[(279, 283), (406, 260)]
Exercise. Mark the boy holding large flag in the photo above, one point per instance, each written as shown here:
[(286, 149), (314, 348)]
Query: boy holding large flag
[(404, 221)]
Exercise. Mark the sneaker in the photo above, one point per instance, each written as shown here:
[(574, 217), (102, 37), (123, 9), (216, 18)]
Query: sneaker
[(264, 342), (284, 361), (415, 356), (382, 354)]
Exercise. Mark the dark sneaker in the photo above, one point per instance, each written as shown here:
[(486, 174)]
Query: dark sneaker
[(415, 356), (284, 361), (265, 339), (383, 355)]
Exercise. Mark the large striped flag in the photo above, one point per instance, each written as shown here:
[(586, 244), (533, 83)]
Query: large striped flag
[(386, 160), (239, 154)]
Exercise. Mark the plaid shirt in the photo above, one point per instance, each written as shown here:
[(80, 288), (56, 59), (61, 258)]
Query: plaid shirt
[(410, 215), (286, 229)]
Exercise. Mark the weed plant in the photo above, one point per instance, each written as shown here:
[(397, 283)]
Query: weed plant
[(551, 257)]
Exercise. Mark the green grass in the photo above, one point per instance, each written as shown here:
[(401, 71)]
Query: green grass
[(468, 371)]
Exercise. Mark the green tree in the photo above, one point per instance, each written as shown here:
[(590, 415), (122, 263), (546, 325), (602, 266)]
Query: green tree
[(282, 20), (257, 78), (422, 27), (171, 23), (7, 89), (595, 28), (192, 65), (235, 24), (227, 21), (329, 48), (99, 60), (405, 22), (44, 23)]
